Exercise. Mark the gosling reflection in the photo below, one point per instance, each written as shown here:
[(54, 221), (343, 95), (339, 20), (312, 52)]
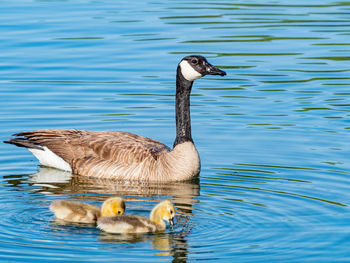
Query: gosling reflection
[(171, 243), (164, 242)]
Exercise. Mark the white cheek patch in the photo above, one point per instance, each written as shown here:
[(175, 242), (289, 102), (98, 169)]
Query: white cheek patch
[(188, 72), (48, 158)]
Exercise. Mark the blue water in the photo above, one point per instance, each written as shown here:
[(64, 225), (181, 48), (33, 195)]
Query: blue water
[(273, 135)]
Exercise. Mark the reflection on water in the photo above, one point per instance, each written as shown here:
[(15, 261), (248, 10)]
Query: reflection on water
[(56, 182), (166, 244)]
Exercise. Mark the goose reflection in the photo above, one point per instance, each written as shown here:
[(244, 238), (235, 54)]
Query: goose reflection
[(139, 197), (58, 182)]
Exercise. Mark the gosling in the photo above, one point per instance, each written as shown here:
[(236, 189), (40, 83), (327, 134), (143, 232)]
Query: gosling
[(127, 224), (77, 212)]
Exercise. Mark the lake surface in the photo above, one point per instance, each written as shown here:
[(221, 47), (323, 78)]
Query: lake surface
[(273, 135)]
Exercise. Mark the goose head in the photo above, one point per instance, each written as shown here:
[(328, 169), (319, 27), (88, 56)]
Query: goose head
[(195, 67), (113, 206)]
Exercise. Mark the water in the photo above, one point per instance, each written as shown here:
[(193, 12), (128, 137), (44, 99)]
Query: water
[(273, 135)]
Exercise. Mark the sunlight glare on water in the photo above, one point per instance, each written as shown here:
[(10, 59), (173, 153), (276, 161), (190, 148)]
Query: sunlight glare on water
[(272, 134)]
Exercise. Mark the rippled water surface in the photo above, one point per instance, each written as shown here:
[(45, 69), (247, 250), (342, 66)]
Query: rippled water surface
[(273, 134)]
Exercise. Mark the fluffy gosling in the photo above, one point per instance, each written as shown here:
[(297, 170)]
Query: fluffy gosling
[(77, 212), (126, 224)]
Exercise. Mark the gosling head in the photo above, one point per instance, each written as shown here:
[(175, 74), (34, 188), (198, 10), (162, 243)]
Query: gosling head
[(113, 206), (195, 67), (167, 211)]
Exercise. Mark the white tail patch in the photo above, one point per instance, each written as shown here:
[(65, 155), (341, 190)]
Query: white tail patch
[(189, 72), (48, 158)]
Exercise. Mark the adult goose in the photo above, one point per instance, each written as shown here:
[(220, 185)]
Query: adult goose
[(123, 155)]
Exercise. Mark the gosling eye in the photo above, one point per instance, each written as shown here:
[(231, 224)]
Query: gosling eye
[(171, 212), (119, 212), (194, 61)]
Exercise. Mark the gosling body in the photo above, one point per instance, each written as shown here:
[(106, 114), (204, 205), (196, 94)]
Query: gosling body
[(77, 212), (127, 224)]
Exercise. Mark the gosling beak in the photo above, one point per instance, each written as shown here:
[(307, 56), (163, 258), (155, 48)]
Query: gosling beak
[(171, 221), (211, 70)]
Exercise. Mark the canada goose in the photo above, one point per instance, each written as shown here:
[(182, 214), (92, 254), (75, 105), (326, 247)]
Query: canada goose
[(136, 224), (122, 155), (77, 212)]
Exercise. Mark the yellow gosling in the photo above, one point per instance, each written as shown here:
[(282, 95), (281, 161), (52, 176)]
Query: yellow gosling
[(77, 212), (126, 224)]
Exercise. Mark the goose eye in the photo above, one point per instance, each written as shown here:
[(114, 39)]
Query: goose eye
[(194, 61)]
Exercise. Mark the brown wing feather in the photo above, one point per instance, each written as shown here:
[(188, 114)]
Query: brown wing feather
[(90, 152)]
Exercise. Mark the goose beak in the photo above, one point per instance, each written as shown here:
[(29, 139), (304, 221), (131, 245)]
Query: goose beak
[(211, 70)]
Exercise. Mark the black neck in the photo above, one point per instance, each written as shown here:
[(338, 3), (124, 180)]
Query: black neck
[(182, 109)]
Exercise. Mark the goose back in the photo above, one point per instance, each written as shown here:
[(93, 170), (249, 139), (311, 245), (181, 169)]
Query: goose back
[(112, 154)]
